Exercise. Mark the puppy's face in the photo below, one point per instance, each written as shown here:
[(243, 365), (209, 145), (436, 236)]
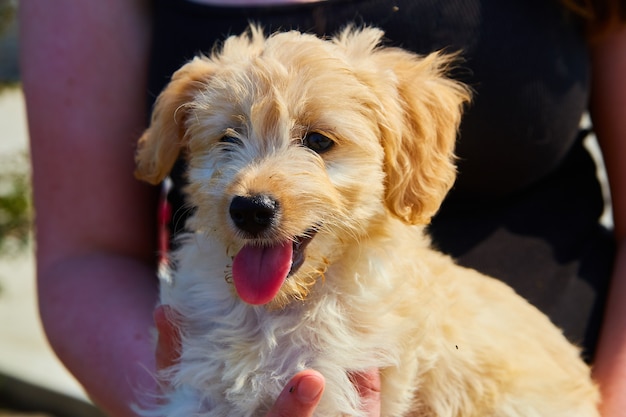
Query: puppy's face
[(299, 148)]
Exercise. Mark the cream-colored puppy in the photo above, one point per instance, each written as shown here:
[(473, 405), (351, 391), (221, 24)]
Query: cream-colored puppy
[(314, 166)]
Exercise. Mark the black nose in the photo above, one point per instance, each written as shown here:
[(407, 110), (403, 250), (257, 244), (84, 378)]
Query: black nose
[(253, 214)]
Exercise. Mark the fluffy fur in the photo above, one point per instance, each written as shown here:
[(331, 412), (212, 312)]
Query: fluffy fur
[(371, 292)]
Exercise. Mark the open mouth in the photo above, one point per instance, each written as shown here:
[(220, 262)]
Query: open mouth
[(259, 271), (298, 250)]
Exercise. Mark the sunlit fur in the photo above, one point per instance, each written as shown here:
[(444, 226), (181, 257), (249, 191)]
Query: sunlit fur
[(371, 292)]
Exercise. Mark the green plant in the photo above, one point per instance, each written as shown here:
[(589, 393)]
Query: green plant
[(7, 14), (15, 206)]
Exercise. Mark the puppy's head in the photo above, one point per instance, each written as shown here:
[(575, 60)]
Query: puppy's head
[(299, 148)]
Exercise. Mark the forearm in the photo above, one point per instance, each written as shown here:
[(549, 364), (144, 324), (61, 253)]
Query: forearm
[(97, 312), (609, 118), (84, 67), (610, 364)]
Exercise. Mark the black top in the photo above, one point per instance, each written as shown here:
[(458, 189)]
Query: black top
[(526, 204)]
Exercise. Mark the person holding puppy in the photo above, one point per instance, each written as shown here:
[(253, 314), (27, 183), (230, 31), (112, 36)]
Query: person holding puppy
[(525, 207)]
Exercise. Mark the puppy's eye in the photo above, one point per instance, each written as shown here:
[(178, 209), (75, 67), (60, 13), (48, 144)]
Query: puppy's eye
[(317, 142), (231, 139)]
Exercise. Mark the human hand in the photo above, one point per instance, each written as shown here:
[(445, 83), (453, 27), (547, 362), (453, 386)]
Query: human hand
[(168, 342), (302, 393)]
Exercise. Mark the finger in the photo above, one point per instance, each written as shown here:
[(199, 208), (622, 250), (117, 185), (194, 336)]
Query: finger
[(368, 385), (168, 342), (300, 396)]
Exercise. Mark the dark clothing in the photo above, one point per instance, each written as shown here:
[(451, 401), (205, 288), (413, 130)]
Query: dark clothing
[(526, 204)]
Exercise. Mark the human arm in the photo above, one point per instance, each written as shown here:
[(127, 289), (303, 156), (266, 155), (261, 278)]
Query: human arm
[(83, 72), (608, 109)]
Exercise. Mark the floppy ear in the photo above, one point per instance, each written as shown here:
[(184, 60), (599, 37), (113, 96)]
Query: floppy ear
[(161, 143), (419, 140)]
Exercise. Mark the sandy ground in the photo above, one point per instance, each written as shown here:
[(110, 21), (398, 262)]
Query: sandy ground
[(24, 351)]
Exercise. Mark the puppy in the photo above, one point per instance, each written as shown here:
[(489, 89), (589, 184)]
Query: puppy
[(314, 166)]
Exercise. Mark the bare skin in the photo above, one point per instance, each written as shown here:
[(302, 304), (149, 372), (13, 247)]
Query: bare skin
[(608, 109)]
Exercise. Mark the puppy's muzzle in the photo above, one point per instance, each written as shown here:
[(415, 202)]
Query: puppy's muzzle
[(255, 214)]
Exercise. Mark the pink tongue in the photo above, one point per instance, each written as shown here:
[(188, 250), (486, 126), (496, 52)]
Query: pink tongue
[(259, 272)]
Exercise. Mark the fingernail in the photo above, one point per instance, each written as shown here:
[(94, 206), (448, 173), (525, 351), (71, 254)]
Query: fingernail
[(309, 388)]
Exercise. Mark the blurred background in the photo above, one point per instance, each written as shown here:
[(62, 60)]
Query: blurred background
[(32, 380)]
